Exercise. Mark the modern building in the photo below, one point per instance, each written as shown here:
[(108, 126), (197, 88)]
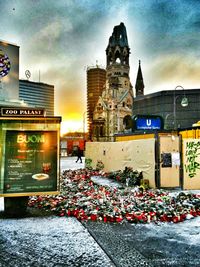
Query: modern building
[(178, 108), (114, 106), (96, 79), (37, 94)]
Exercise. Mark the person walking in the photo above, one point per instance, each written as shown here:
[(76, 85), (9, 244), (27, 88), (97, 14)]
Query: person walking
[(79, 154)]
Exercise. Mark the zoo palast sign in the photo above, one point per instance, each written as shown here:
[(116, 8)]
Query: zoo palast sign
[(22, 112)]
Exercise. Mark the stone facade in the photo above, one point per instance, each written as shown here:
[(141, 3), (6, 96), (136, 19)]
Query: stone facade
[(113, 110)]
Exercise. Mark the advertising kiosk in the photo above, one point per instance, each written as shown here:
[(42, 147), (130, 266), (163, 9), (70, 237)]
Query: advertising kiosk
[(29, 156)]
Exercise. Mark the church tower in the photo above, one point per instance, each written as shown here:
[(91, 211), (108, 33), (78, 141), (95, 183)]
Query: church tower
[(114, 107), (117, 53), (139, 85)]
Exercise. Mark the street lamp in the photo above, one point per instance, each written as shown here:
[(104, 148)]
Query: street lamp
[(184, 103)]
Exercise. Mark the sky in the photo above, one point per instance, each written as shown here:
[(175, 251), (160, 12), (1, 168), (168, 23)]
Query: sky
[(60, 39)]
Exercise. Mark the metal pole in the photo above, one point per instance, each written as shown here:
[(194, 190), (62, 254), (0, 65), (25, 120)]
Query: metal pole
[(174, 109), (174, 105)]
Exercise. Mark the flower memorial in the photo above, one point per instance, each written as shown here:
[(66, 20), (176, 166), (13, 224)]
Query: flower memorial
[(128, 176), (81, 198)]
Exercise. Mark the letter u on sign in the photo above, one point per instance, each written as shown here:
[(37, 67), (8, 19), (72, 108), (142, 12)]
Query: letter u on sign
[(148, 122)]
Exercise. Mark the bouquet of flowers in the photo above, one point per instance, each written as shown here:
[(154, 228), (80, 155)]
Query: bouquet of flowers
[(128, 176), (99, 165)]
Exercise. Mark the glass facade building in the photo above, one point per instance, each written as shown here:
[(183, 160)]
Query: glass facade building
[(37, 94)]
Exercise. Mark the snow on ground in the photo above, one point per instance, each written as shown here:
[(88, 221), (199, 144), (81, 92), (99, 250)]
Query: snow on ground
[(67, 163), (188, 231), (105, 182), (48, 241)]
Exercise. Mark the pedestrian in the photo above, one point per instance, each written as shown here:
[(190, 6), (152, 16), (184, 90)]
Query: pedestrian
[(79, 154)]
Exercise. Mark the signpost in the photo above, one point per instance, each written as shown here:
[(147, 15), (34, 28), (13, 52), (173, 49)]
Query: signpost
[(148, 122)]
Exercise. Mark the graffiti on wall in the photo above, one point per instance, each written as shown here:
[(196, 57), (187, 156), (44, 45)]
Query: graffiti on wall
[(192, 158)]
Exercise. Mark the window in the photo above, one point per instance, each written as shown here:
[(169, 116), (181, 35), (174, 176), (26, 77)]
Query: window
[(118, 73), (101, 130), (114, 93), (118, 61), (99, 108)]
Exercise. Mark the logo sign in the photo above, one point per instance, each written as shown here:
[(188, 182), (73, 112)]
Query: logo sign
[(28, 74), (142, 122), (22, 112)]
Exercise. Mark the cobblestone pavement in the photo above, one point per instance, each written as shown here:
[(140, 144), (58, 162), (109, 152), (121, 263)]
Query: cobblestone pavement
[(165, 245), (112, 240), (48, 241)]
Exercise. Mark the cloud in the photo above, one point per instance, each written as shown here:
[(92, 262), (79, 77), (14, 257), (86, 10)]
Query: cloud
[(166, 26), (52, 30), (61, 38), (171, 70), (70, 92)]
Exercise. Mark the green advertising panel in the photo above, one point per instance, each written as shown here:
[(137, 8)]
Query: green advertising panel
[(30, 161)]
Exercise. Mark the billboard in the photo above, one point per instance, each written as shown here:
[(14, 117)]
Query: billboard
[(30, 161), (9, 71)]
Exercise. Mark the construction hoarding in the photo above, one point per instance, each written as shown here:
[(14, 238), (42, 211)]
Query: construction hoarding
[(137, 154)]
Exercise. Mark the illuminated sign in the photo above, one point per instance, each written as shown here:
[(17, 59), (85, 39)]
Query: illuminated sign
[(30, 161), (22, 112), (23, 138), (145, 122)]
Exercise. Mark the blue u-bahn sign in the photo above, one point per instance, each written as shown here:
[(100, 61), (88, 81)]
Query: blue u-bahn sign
[(148, 122)]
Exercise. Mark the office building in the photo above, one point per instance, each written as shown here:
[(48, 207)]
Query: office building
[(37, 94), (96, 79)]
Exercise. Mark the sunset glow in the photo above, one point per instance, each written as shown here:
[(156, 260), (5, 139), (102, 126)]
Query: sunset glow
[(71, 126)]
